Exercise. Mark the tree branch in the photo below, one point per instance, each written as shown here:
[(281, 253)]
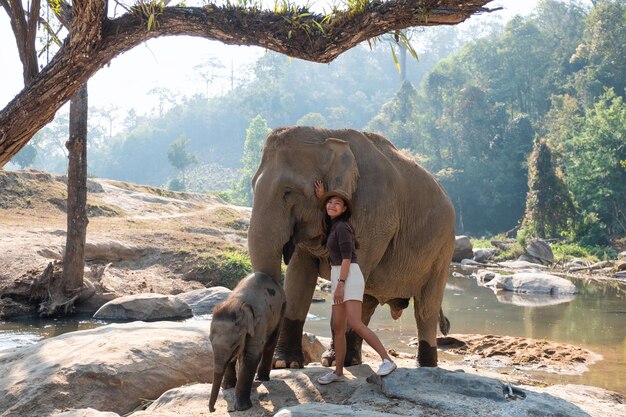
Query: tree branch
[(314, 38), (24, 32)]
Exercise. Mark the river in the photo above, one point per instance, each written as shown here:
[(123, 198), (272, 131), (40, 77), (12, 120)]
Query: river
[(593, 319)]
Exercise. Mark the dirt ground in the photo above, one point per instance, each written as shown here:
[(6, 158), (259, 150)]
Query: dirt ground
[(145, 239), (139, 238)]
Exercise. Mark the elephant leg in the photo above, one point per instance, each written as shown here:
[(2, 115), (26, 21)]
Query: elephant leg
[(300, 280), (427, 335), (230, 375), (245, 377), (263, 373), (328, 356), (353, 341)]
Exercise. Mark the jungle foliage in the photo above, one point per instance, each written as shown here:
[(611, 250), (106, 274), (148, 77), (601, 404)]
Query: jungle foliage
[(471, 114)]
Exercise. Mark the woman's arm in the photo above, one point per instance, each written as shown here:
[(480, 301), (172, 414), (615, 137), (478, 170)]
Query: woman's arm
[(319, 189), (344, 270)]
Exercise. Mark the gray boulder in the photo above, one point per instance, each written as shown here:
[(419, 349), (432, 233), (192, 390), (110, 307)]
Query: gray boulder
[(534, 283), (110, 368), (203, 300), (483, 276), (462, 249), (576, 264), (483, 255), (538, 251), (144, 307)]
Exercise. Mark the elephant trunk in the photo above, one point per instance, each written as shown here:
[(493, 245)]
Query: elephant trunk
[(215, 389), (265, 244)]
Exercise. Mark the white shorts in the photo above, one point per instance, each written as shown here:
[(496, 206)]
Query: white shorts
[(354, 286)]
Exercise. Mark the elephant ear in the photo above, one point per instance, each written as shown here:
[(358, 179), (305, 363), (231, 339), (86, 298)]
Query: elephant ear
[(248, 319), (342, 172)]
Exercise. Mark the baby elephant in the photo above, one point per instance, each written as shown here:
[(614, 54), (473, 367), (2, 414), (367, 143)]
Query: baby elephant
[(245, 329)]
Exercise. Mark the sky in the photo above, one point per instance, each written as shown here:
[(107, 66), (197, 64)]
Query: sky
[(168, 62)]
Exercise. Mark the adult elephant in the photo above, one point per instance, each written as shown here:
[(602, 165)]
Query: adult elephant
[(403, 220)]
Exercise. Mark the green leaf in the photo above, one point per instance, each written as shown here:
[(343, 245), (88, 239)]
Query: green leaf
[(320, 27), (395, 60)]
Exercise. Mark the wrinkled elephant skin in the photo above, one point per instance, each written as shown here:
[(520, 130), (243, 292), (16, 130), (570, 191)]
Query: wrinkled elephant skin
[(403, 220)]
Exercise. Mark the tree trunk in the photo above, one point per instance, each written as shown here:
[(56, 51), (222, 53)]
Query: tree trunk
[(57, 292), (74, 259)]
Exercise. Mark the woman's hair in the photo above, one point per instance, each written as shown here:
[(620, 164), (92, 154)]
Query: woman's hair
[(327, 222)]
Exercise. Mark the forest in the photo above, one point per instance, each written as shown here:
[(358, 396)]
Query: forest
[(523, 123)]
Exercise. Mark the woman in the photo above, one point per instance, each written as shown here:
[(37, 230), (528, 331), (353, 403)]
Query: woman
[(347, 281)]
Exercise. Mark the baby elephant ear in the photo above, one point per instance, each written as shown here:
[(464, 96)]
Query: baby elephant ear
[(342, 172), (248, 319)]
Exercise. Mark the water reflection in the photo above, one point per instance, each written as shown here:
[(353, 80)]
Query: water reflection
[(532, 300), (26, 331)]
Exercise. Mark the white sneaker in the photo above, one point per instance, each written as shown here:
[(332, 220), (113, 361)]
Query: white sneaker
[(386, 367), (330, 377)]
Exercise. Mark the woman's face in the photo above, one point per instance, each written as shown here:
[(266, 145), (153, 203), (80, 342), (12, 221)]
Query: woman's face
[(335, 207)]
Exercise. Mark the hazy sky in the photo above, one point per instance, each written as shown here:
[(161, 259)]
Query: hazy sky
[(165, 62)]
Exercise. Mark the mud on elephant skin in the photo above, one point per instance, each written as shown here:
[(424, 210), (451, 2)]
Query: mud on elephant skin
[(402, 218), (244, 332)]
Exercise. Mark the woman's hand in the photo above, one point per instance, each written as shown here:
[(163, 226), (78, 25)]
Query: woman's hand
[(319, 188), (338, 295)]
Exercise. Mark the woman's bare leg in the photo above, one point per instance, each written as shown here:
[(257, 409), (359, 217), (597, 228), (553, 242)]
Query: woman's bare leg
[(353, 315), (339, 328)]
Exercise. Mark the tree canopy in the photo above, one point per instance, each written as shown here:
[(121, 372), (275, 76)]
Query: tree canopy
[(95, 39)]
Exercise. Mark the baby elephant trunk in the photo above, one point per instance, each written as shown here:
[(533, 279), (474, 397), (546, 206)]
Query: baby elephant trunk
[(215, 389)]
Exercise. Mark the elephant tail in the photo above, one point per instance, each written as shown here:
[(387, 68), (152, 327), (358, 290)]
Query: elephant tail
[(215, 389)]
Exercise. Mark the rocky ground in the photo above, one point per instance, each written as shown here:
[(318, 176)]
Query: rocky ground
[(143, 239)]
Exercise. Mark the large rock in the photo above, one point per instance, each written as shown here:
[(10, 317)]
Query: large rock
[(483, 255), (460, 393), (462, 249), (110, 368), (203, 300), (538, 251), (413, 392), (145, 307), (533, 283), (109, 371)]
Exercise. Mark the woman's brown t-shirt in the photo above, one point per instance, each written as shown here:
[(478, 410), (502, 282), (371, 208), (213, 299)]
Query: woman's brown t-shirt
[(341, 243)]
